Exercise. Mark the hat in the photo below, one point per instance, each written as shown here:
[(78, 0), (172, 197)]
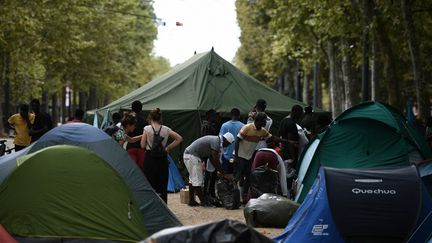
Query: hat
[(229, 137), (261, 103)]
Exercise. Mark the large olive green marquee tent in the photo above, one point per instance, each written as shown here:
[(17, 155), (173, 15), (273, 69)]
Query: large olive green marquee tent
[(205, 81)]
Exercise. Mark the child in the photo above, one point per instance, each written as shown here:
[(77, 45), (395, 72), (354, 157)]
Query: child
[(127, 125)]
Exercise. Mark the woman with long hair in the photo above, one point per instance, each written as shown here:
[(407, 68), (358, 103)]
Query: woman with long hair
[(154, 140), (22, 123)]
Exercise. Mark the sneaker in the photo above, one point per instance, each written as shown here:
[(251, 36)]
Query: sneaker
[(193, 204)]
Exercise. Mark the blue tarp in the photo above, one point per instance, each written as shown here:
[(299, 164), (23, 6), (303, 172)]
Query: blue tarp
[(175, 179)]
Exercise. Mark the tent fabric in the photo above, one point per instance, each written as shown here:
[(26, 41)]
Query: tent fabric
[(375, 134), (205, 81), (67, 191), (214, 232), (175, 179), (320, 219), (8, 162), (312, 222), (363, 202), (155, 212), (423, 233), (5, 236)]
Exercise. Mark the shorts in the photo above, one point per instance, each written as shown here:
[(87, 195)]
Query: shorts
[(194, 167)]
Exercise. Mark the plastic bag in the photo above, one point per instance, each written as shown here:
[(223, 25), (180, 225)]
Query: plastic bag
[(269, 210), (228, 193), (263, 180)]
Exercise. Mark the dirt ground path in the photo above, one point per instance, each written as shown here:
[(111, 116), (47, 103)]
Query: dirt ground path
[(198, 215)]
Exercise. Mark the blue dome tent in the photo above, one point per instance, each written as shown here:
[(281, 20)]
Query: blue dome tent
[(347, 205)]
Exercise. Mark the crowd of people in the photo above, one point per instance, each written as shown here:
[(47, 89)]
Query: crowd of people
[(234, 149), (230, 149)]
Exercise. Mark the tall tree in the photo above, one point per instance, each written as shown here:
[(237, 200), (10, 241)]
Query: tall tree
[(423, 104), (101, 45)]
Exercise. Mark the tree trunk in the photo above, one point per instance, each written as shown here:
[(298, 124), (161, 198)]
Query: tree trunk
[(70, 112), (336, 96), (316, 86), (92, 98), (297, 82), (83, 100), (7, 60), (365, 52), (365, 66), (389, 62), (289, 83), (107, 99), (351, 96), (306, 89), (63, 112), (44, 101), (422, 102), (2, 102), (74, 99), (375, 66), (55, 109)]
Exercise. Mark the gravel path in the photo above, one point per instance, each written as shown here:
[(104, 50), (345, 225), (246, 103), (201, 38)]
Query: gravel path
[(198, 215)]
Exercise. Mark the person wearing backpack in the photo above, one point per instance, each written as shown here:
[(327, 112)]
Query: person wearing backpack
[(154, 141)]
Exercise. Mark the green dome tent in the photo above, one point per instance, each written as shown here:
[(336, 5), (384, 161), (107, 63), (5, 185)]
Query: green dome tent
[(205, 81), (368, 135), (68, 192)]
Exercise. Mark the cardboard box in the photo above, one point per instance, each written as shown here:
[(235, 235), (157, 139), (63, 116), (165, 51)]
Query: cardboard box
[(184, 196)]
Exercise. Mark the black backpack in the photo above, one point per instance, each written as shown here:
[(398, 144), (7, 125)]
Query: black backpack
[(157, 149)]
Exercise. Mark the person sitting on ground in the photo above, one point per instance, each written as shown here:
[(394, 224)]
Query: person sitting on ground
[(127, 125), (42, 122), (78, 116), (205, 147), (22, 123)]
